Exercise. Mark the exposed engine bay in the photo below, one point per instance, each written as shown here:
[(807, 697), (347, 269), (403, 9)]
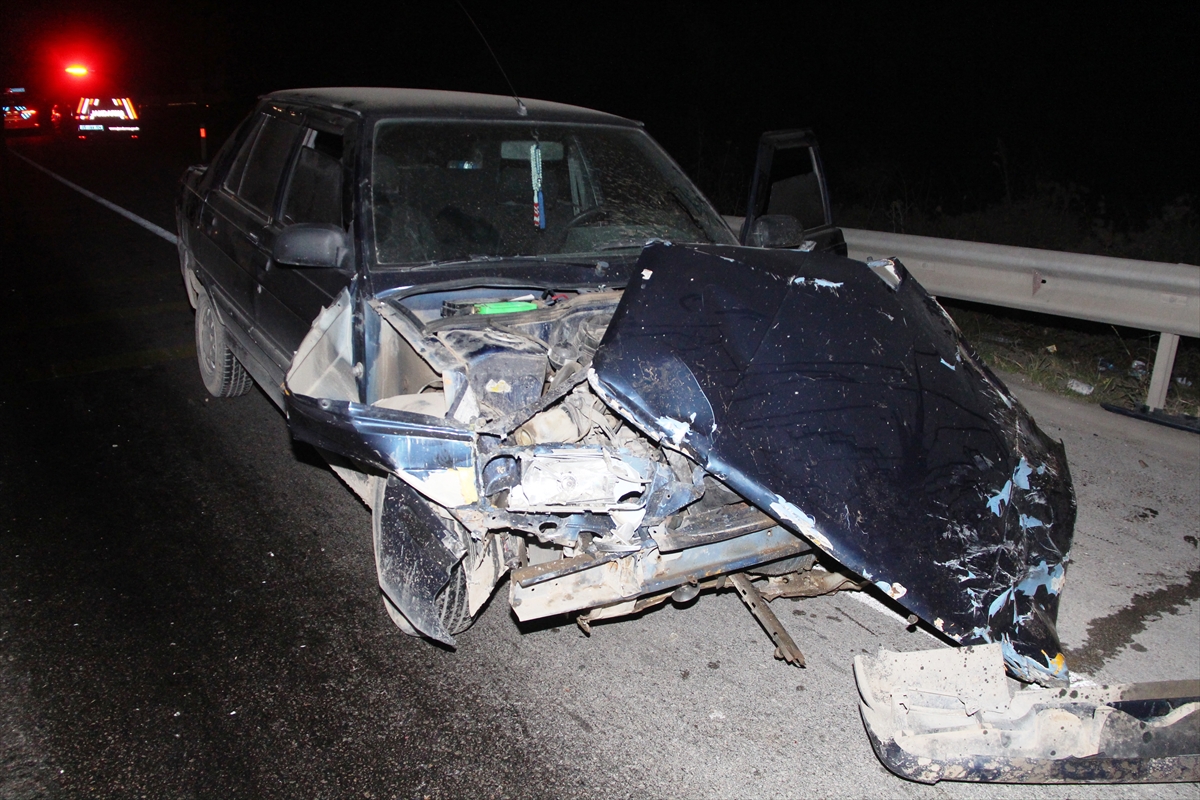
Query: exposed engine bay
[(615, 449), (564, 483)]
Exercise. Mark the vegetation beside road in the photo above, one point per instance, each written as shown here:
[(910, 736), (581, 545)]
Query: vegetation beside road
[(1054, 351)]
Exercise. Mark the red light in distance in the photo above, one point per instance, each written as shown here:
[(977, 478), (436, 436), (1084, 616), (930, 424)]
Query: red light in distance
[(78, 70)]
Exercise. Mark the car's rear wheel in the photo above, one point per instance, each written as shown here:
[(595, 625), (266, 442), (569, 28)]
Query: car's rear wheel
[(222, 373)]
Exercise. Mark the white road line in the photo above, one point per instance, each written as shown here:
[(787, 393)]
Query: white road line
[(129, 215)]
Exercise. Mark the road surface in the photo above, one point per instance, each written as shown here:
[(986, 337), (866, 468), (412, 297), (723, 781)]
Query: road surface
[(188, 605)]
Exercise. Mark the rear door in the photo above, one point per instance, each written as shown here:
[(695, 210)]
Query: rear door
[(239, 221), (789, 179), (315, 189)]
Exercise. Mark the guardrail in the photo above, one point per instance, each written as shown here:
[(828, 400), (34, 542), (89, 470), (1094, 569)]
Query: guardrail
[(1150, 295)]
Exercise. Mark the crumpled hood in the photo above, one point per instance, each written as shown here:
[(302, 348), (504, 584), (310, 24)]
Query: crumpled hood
[(852, 410)]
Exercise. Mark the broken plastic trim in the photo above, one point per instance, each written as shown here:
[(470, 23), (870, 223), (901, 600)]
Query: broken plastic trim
[(952, 714)]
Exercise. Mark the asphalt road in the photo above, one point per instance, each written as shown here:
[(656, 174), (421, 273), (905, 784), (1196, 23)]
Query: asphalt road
[(188, 604)]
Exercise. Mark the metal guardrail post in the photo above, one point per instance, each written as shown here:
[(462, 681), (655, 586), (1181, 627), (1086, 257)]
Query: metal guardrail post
[(1160, 378)]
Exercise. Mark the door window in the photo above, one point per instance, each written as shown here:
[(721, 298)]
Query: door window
[(256, 173), (234, 179), (314, 192), (795, 188)]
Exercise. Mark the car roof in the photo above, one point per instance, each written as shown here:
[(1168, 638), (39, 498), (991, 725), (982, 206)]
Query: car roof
[(372, 101)]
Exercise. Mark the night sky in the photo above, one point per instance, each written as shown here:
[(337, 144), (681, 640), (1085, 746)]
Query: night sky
[(950, 99)]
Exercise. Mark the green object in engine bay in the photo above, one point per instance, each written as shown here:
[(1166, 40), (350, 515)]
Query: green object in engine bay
[(506, 307)]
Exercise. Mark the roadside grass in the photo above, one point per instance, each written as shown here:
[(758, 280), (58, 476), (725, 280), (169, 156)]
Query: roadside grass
[(1054, 351)]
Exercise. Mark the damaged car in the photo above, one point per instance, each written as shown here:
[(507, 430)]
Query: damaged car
[(533, 348), (536, 352)]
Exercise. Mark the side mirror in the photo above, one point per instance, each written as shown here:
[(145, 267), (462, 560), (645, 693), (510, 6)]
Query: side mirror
[(307, 244), (776, 230)]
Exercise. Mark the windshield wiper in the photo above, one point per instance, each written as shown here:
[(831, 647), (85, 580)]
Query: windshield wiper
[(688, 211), (456, 262), (565, 259), (623, 244)]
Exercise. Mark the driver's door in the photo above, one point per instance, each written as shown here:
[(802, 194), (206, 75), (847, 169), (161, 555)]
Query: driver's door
[(315, 189), (789, 179)]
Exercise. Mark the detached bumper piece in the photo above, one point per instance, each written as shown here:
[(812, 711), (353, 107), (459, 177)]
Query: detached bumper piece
[(1181, 422), (952, 714)]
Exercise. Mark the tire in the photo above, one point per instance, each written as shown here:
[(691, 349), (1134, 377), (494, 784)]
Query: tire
[(185, 268), (222, 373), (451, 602)]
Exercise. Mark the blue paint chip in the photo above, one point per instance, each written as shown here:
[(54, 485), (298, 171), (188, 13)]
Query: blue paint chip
[(1044, 576), (1021, 474), (1028, 522), (999, 498)]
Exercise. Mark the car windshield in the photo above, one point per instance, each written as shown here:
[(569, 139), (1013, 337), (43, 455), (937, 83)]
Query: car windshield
[(447, 191)]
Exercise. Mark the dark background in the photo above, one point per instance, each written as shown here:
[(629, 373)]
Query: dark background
[(959, 106)]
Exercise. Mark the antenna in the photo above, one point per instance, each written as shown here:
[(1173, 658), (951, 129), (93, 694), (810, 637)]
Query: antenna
[(521, 109)]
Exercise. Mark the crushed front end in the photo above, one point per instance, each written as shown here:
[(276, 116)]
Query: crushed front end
[(730, 410)]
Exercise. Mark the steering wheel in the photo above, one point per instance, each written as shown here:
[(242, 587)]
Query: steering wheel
[(580, 220), (584, 217)]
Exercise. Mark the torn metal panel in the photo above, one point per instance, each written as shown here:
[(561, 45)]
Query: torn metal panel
[(646, 572), (562, 530), (579, 479), (952, 714), (853, 412), (889, 270), (706, 527), (324, 364), (434, 455), (413, 561)]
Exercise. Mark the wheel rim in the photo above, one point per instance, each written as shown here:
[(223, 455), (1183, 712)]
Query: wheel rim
[(208, 339)]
